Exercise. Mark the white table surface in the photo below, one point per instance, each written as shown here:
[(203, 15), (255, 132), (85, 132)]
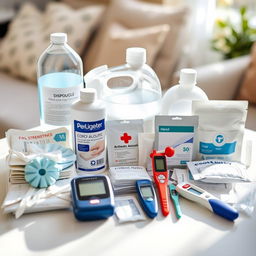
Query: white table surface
[(198, 232)]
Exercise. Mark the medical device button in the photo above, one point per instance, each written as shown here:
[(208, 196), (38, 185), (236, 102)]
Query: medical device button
[(94, 201), (186, 186), (161, 177)]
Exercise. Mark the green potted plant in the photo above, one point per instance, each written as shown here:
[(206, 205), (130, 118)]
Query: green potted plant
[(234, 40)]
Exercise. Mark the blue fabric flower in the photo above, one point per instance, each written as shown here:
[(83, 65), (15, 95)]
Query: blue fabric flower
[(68, 157), (41, 172)]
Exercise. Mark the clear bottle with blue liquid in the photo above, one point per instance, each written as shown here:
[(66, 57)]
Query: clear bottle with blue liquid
[(60, 78)]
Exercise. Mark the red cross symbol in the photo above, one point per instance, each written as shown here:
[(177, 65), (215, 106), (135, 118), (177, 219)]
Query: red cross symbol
[(126, 138)]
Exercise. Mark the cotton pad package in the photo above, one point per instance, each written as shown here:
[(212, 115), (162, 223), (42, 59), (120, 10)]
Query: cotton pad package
[(221, 129)]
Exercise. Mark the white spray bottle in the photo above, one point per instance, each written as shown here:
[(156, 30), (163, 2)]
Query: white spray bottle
[(178, 99)]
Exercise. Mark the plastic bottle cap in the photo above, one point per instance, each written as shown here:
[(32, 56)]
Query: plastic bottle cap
[(136, 56), (188, 77), (58, 38), (88, 95)]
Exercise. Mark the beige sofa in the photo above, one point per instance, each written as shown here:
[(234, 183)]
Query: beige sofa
[(221, 81)]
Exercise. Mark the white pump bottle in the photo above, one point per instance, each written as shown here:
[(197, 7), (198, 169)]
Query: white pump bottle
[(178, 99)]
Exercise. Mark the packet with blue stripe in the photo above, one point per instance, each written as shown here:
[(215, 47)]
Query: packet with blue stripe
[(177, 132)]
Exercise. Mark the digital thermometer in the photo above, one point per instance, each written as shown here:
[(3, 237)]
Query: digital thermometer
[(161, 176), (202, 197), (147, 197), (92, 197)]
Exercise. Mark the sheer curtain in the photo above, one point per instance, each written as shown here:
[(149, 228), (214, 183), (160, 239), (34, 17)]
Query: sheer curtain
[(197, 50), (200, 27)]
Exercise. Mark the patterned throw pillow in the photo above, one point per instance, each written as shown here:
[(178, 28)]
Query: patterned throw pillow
[(29, 35), (118, 38), (135, 14)]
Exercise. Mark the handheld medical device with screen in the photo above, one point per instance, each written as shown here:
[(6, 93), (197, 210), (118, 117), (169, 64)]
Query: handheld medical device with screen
[(147, 197), (202, 197), (92, 197), (161, 176)]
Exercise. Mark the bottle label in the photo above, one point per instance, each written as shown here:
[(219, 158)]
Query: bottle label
[(89, 139), (57, 103)]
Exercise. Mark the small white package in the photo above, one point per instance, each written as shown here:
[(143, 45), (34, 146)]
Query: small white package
[(218, 171), (128, 209), (146, 144), (122, 142)]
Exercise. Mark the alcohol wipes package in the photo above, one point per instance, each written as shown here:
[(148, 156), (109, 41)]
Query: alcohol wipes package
[(127, 209), (122, 142), (177, 132), (221, 128), (218, 171)]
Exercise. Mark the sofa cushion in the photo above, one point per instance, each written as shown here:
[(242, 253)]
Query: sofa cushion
[(247, 90), (19, 104), (118, 38), (133, 14), (29, 34)]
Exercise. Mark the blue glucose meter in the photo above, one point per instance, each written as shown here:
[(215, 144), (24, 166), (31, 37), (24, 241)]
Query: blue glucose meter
[(92, 197), (147, 197)]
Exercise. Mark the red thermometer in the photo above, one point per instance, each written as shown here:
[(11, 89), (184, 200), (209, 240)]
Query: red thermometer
[(160, 174)]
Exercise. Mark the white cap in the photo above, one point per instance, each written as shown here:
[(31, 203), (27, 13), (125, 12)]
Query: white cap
[(188, 77), (88, 95), (136, 56), (58, 38)]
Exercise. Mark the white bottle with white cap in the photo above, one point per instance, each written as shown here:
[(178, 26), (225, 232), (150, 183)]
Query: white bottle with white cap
[(60, 78), (178, 99), (88, 129), (135, 57), (130, 91)]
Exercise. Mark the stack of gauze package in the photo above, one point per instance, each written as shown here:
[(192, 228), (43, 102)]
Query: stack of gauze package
[(25, 146), (124, 177)]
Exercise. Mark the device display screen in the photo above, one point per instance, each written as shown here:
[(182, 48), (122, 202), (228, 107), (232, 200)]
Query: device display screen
[(146, 192), (196, 192), (160, 164), (91, 188)]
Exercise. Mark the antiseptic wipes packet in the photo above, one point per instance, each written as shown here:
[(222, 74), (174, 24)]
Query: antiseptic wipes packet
[(122, 142)]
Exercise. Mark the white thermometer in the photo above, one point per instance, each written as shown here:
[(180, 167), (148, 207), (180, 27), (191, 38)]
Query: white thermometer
[(202, 197)]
